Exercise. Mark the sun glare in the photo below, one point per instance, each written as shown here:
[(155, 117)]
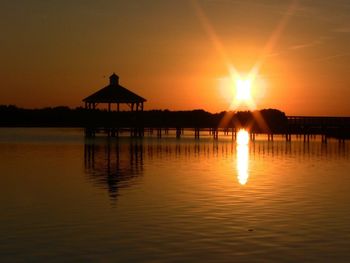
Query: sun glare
[(243, 89)]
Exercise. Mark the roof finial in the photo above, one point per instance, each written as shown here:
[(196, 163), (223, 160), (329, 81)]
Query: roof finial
[(114, 80)]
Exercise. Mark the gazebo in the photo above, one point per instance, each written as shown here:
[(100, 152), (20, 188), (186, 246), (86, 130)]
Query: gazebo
[(115, 93)]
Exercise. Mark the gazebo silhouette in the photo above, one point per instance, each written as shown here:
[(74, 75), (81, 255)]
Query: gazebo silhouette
[(115, 93)]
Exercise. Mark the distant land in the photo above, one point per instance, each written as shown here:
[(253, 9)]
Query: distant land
[(62, 116)]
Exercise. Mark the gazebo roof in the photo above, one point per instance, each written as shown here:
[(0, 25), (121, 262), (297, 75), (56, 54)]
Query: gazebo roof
[(114, 93)]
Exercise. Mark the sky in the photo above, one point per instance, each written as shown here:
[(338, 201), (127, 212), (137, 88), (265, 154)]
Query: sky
[(179, 54)]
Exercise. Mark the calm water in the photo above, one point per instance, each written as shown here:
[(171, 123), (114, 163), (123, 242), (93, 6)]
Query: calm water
[(64, 198)]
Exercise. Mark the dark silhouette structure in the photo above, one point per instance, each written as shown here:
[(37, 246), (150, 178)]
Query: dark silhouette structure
[(328, 127), (115, 93), (135, 123)]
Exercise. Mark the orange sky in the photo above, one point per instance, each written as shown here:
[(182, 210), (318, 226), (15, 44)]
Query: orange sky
[(176, 53)]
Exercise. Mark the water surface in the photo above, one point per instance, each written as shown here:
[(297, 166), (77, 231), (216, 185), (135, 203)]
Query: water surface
[(67, 198)]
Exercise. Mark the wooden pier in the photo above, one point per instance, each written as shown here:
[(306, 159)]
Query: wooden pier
[(300, 127), (326, 127), (159, 132), (138, 123)]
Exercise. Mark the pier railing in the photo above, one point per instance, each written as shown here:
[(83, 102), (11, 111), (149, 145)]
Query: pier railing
[(305, 127)]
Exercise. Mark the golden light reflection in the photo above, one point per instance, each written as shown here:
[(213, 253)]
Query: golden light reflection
[(242, 137), (242, 162)]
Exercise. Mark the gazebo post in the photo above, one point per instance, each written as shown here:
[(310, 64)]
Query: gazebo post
[(118, 106), (141, 106), (109, 107)]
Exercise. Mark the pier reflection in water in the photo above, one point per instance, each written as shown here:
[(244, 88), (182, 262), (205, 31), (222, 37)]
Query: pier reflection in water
[(112, 165), (119, 163)]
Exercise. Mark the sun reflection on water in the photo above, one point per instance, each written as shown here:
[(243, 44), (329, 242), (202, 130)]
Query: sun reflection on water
[(242, 161)]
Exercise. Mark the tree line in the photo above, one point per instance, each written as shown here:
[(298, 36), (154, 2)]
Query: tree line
[(266, 120)]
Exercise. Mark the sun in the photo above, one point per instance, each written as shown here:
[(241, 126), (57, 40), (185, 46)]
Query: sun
[(243, 90)]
